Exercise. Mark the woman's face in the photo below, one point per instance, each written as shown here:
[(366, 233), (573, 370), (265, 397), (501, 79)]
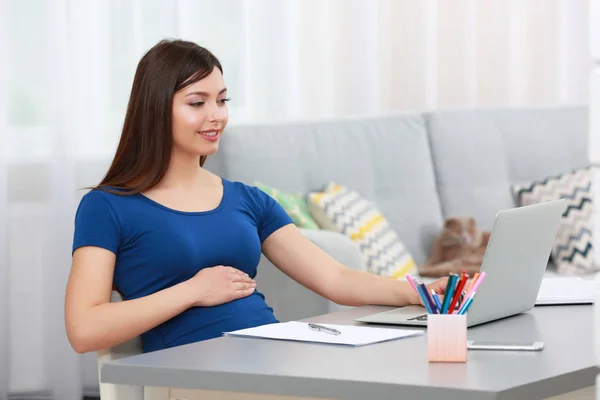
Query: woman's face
[(200, 115)]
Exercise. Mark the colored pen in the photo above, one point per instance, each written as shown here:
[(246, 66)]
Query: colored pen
[(424, 299), (449, 292), (466, 290), (434, 309), (467, 304), (436, 299), (411, 281), (475, 277), (413, 284), (457, 292), (475, 286)]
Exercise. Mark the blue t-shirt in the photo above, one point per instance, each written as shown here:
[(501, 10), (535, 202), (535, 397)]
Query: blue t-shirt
[(157, 247)]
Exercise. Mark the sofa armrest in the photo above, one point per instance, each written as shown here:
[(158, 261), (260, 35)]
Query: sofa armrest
[(338, 246), (290, 300)]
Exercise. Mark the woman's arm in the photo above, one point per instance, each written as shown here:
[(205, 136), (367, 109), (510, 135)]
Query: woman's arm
[(299, 258), (94, 323)]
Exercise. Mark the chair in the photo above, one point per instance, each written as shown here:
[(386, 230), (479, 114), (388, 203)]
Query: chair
[(134, 346)]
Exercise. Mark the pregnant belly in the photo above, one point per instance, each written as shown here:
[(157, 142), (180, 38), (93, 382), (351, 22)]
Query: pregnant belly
[(202, 323)]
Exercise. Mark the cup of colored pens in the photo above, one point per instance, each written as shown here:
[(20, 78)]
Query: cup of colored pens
[(447, 316)]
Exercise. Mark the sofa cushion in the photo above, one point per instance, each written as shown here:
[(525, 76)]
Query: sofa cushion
[(573, 251), (479, 154), (340, 209), (385, 159), (295, 206)]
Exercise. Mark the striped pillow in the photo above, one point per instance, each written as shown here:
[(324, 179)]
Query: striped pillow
[(342, 210), (573, 250)]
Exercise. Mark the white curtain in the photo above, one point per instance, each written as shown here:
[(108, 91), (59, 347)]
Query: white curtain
[(66, 68)]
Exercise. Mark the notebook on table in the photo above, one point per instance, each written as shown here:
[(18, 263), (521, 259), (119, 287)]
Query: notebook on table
[(348, 334), (566, 290)]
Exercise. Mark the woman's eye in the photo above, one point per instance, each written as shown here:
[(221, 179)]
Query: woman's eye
[(197, 104), (223, 101)]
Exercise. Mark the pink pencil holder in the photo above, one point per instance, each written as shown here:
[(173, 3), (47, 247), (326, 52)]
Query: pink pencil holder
[(447, 337)]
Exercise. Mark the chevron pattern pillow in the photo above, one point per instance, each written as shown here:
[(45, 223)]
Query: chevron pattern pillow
[(573, 250), (342, 210)]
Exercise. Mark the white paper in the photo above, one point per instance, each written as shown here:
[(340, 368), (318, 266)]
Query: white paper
[(566, 290), (350, 335)]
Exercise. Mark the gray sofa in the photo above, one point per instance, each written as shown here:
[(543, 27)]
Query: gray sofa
[(418, 168)]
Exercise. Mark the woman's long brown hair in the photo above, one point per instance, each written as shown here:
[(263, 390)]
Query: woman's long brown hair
[(144, 150)]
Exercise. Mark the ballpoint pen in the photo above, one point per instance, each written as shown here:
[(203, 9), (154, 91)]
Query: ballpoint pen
[(325, 329)]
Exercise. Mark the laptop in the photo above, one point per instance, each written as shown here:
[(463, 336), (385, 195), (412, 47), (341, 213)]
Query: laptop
[(515, 261)]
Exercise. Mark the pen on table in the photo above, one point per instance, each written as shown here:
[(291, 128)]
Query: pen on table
[(325, 329)]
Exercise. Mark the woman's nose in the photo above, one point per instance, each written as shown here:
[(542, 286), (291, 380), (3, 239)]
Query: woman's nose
[(216, 112)]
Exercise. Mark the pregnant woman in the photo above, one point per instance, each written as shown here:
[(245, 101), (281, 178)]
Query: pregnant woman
[(179, 243)]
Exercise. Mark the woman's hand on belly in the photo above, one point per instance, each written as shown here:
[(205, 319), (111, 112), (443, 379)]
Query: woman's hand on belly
[(218, 285)]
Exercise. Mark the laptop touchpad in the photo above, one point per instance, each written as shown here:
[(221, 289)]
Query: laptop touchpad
[(409, 313)]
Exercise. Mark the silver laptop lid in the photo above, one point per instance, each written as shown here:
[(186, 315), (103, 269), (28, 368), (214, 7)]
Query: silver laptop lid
[(515, 260)]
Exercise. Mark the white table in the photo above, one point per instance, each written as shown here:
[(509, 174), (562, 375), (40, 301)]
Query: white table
[(391, 370)]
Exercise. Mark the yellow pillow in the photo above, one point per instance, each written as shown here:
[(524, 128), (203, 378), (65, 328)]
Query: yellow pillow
[(342, 210)]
